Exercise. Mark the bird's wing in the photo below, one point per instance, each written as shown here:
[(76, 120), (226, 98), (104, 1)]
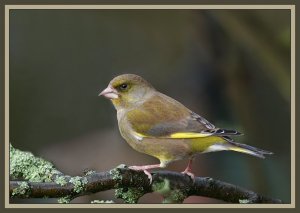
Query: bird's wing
[(164, 117)]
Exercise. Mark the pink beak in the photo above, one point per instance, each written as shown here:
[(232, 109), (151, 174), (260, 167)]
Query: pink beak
[(109, 93)]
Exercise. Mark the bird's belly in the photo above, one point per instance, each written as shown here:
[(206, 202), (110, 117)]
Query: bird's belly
[(166, 150)]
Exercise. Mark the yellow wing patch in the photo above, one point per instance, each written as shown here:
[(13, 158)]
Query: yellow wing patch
[(179, 135)]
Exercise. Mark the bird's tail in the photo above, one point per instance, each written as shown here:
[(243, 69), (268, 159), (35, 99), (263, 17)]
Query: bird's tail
[(247, 149)]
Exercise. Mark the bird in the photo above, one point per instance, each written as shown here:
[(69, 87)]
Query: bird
[(158, 125)]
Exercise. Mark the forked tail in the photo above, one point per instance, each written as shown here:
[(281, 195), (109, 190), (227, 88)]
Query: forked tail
[(238, 147)]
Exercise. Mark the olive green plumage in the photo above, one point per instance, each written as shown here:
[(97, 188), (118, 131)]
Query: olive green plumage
[(157, 125)]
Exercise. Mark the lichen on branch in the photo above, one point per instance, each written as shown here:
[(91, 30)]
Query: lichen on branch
[(33, 177), (24, 165)]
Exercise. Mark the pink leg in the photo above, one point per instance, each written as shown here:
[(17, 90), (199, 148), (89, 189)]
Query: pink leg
[(188, 169), (145, 169)]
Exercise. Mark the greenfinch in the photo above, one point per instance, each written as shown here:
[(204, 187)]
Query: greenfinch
[(157, 125)]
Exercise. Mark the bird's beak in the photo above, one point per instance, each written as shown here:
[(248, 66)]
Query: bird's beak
[(109, 93)]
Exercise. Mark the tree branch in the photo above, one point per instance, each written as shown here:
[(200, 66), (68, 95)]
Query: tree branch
[(33, 177), (175, 187)]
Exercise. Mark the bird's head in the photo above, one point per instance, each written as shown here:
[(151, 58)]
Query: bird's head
[(127, 90)]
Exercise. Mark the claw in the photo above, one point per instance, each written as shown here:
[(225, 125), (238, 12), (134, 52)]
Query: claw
[(192, 176), (188, 170), (145, 169), (136, 168), (149, 175)]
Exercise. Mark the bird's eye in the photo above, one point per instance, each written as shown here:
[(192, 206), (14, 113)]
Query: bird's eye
[(123, 86)]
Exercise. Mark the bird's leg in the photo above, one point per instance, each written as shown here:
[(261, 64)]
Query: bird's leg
[(188, 169), (145, 169)]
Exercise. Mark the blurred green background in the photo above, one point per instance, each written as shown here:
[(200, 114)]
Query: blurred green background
[(230, 66)]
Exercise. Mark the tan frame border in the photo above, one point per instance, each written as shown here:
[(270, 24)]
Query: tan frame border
[(86, 7)]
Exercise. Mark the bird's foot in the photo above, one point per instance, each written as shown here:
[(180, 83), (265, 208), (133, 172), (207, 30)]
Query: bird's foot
[(189, 173), (188, 170), (145, 169)]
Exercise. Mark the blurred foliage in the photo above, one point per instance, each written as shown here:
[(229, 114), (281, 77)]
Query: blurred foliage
[(230, 66)]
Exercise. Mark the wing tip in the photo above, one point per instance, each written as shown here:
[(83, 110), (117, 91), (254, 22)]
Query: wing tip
[(224, 132)]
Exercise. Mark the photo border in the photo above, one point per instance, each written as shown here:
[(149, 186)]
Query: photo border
[(122, 7)]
